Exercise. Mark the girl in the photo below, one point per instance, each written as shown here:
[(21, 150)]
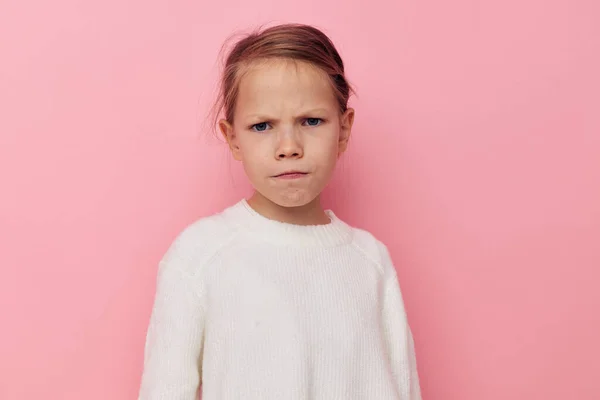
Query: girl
[(275, 298)]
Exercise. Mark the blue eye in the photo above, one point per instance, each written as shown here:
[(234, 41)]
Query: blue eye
[(313, 121), (261, 127)]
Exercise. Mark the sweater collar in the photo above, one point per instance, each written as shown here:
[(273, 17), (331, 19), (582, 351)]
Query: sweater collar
[(334, 233)]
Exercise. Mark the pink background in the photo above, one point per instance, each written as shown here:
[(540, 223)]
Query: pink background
[(475, 158)]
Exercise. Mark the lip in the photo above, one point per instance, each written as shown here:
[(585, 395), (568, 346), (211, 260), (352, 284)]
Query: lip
[(291, 175)]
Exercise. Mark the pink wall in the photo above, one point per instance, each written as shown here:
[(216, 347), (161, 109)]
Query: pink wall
[(476, 158)]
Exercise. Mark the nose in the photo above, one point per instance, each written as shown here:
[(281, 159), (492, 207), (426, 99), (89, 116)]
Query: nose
[(289, 146)]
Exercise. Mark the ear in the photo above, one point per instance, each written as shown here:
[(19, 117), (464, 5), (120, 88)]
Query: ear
[(346, 122), (229, 134)]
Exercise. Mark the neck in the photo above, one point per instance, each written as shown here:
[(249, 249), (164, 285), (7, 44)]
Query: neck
[(308, 214)]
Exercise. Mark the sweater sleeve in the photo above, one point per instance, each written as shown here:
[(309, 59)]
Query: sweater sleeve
[(172, 352), (398, 336)]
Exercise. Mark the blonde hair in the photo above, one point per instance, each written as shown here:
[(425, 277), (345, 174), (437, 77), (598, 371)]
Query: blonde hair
[(297, 42)]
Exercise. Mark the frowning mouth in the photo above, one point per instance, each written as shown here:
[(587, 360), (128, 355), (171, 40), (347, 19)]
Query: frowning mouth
[(291, 175)]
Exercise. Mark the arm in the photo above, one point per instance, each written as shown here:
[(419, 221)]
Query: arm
[(398, 336), (172, 352)]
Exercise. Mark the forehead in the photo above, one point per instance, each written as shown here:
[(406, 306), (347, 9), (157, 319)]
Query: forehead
[(283, 85)]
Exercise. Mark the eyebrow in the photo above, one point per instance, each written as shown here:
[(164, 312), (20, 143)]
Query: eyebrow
[(263, 117)]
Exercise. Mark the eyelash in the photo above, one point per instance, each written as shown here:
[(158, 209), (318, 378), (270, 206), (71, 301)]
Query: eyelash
[(321, 120)]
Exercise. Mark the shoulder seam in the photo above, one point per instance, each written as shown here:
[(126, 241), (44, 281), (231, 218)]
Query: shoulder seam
[(225, 243), (368, 256), (207, 259), (205, 262)]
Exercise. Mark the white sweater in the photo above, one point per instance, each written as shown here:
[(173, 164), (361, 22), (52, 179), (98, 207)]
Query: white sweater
[(252, 308)]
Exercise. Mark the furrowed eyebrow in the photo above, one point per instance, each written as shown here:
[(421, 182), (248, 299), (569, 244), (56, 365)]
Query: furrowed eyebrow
[(263, 117), (260, 117), (314, 111)]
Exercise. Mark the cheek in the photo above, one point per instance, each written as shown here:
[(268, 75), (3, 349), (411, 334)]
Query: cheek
[(255, 153), (248, 146), (326, 148)]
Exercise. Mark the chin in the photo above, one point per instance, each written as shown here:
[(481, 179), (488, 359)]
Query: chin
[(292, 199)]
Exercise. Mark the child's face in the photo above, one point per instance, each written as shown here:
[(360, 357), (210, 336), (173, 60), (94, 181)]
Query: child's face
[(287, 119)]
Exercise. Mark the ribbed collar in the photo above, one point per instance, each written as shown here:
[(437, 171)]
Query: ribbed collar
[(334, 233)]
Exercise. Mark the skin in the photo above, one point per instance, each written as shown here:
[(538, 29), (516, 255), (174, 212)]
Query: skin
[(287, 118)]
